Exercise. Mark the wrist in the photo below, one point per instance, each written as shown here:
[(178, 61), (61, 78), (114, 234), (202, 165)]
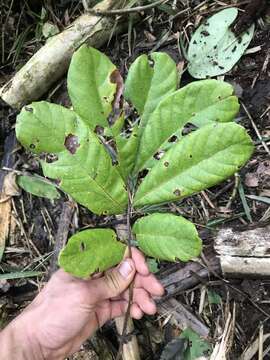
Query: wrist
[(16, 343)]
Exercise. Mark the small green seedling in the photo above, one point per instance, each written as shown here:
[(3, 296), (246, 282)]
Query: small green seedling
[(99, 155)]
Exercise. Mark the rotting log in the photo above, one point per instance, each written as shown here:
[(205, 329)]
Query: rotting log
[(244, 254), (51, 62)]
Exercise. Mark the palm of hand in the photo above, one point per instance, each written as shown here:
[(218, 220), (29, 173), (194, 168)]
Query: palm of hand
[(69, 310)]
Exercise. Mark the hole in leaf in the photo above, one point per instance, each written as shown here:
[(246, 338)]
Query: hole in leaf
[(99, 130), (188, 128), (28, 108), (82, 246), (49, 157), (177, 192), (158, 155), (72, 143), (205, 33), (173, 138), (151, 62)]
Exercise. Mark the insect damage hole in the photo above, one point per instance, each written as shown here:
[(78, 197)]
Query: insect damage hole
[(177, 192), (71, 143), (82, 246)]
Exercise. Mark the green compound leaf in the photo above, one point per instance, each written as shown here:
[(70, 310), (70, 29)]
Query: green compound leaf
[(199, 103), (37, 186), (167, 237), (91, 250), (149, 80), (214, 49), (92, 85), (81, 164), (198, 161)]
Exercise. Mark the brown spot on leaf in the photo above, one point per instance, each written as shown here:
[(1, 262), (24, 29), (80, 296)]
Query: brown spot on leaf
[(166, 163), (177, 192), (117, 103), (71, 143), (32, 146)]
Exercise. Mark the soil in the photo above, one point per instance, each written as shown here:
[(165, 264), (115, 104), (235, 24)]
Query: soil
[(37, 219)]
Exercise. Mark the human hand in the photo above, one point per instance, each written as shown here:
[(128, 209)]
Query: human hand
[(69, 310)]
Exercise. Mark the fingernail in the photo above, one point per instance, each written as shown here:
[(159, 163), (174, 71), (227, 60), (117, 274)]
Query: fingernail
[(125, 269)]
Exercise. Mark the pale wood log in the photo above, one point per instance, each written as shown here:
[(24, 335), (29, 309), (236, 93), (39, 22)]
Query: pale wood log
[(51, 62), (243, 254), (254, 242), (131, 348)]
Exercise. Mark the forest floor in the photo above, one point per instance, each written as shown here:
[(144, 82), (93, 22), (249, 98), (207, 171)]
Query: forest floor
[(34, 220)]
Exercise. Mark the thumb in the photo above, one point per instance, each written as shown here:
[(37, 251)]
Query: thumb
[(115, 281)]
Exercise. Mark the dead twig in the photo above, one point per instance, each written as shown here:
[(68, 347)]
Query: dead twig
[(62, 234), (129, 242), (255, 128), (116, 12)]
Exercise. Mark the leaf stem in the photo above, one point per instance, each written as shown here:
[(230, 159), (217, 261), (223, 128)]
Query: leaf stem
[(130, 289)]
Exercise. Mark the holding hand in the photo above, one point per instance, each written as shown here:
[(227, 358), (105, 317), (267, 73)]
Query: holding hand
[(69, 310)]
